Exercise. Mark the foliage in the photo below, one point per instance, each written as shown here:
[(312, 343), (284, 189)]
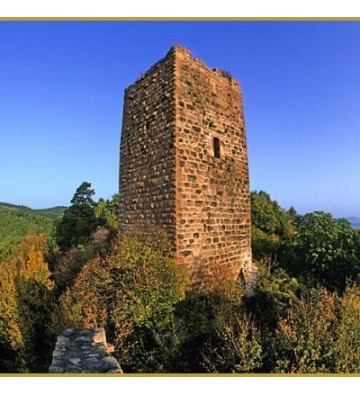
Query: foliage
[(268, 216), (315, 248), (16, 222), (271, 225), (303, 342), (83, 195), (134, 288), (156, 349), (52, 212), (347, 340), (320, 335), (305, 318), (67, 265), (203, 313), (327, 251), (108, 209), (25, 303), (238, 348), (79, 220), (181, 343), (275, 294)]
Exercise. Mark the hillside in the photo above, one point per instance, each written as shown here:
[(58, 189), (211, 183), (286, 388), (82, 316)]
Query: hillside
[(18, 221), (53, 212)]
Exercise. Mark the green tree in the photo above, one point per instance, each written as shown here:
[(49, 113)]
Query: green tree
[(265, 213), (79, 220), (108, 210), (327, 251), (271, 226), (83, 195), (16, 222)]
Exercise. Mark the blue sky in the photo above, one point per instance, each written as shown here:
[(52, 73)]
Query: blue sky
[(61, 96)]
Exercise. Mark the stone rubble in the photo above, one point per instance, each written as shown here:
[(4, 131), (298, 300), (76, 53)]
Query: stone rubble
[(83, 351)]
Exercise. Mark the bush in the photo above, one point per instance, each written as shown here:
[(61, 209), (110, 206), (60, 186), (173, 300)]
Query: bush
[(238, 348), (326, 252), (131, 292), (320, 335), (272, 227), (66, 265), (202, 314), (347, 340), (275, 294), (304, 341), (25, 305)]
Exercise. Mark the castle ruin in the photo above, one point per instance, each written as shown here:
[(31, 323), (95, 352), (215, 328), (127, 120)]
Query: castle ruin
[(184, 166)]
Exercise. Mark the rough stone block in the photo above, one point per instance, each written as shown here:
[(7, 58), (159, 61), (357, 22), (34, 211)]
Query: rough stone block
[(83, 351)]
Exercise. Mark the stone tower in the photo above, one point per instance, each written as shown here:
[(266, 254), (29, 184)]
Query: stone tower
[(184, 167)]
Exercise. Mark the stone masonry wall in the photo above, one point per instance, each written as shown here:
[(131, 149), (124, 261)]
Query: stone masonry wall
[(147, 154), (170, 176), (213, 197), (83, 351)]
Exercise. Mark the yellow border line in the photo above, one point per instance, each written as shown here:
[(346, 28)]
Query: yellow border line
[(180, 19)]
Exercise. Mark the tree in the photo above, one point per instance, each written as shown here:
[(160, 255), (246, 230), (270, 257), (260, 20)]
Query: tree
[(79, 220), (83, 195), (271, 225), (132, 292), (25, 307), (108, 210), (327, 251)]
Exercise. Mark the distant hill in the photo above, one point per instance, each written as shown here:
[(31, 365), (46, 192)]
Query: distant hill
[(18, 221), (53, 212), (355, 222)]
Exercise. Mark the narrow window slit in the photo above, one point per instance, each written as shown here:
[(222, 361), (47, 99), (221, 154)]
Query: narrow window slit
[(216, 144)]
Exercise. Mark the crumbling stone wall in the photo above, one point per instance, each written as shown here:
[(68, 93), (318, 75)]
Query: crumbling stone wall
[(183, 165), (83, 351)]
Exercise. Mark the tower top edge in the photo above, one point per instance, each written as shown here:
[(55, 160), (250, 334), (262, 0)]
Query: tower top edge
[(180, 50)]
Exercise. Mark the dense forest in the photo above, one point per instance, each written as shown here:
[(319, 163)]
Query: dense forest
[(18, 221), (71, 269)]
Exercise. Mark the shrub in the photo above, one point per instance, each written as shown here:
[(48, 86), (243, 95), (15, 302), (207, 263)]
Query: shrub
[(238, 348), (347, 341), (327, 251), (67, 265), (275, 294), (304, 341), (25, 305), (320, 335), (203, 313), (131, 291)]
